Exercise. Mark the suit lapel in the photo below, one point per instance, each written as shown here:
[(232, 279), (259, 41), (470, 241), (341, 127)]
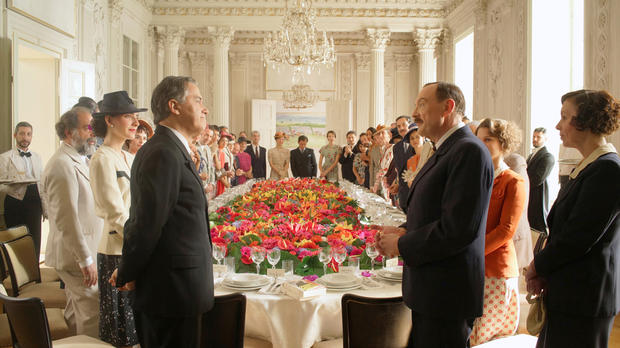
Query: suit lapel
[(432, 161), (19, 164), (80, 166), (443, 149), (188, 161)]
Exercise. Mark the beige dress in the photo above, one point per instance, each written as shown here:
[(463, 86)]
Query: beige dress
[(279, 158)]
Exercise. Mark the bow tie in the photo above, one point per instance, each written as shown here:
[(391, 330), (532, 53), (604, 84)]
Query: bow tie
[(25, 154)]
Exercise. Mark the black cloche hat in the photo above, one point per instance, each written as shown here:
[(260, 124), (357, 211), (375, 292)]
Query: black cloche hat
[(117, 103)]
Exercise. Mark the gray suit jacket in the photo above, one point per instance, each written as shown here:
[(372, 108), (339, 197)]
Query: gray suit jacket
[(75, 229)]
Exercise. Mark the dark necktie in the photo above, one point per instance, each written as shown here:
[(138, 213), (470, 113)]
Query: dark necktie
[(25, 154), (256, 151)]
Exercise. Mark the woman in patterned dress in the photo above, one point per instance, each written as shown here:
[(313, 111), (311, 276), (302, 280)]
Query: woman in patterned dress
[(328, 159), (110, 168), (279, 158), (500, 314), (359, 166)]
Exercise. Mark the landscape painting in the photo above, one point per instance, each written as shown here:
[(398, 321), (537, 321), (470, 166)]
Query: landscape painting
[(309, 122)]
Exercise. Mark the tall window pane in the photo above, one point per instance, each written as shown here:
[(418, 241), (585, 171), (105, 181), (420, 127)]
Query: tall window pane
[(557, 66), (464, 70), (130, 68)]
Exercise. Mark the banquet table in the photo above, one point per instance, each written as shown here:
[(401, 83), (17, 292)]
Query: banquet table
[(289, 323)]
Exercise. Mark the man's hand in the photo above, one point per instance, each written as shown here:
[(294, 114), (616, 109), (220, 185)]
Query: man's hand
[(127, 287), (389, 229), (203, 176), (535, 283), (90, 274), (388, 244)]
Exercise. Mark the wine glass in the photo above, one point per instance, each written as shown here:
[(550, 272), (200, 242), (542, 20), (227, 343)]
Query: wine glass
[(325, 255), (258, 256), (219, 251), (340, 254), (372, 252), (273, 257)]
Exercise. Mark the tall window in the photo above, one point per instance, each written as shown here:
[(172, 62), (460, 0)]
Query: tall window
[(464, 70), (557, 67), (130, 68)]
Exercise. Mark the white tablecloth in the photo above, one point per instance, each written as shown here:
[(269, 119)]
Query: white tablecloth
[(290, 323)]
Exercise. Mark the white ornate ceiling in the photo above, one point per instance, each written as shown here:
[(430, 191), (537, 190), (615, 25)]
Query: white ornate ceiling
[(332, 15)]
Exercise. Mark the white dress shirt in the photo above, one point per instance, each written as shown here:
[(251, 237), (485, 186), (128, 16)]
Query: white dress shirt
[(447, 134), (28, 163), (181, 138)]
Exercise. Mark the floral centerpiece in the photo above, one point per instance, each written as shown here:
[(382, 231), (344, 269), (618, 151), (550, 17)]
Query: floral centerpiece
[(298, 216)]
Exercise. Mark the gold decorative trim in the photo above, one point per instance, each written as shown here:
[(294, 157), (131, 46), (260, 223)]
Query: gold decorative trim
[(279, 11)]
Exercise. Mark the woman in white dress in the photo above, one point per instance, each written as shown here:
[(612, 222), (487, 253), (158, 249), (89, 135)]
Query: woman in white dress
[(110, 169), (279, 158)]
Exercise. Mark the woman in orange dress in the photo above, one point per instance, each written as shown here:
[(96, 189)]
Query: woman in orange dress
[(500, 314)]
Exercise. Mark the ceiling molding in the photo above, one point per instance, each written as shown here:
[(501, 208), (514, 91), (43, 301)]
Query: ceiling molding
[(402, 4), (279, 11)]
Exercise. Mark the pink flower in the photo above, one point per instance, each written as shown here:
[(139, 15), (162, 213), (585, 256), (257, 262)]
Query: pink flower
[(311, 277)]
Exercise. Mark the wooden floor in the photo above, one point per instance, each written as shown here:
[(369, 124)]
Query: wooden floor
[(614, 338)]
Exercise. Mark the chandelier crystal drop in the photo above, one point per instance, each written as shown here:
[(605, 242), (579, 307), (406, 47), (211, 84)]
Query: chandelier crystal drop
[(299, 97), (298, 43)]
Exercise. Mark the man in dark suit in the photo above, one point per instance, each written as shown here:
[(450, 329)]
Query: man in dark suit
[(167, 243), (442, 242), (347, 154), (258, 154), (403, 151), (539, 165), (303, 161)]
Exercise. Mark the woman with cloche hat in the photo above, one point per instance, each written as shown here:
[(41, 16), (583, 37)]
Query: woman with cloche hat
[(110, 169)]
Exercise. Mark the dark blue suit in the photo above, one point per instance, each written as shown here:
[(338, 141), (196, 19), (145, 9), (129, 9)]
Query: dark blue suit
[(443, 247), (581, 261), (401, 156), (259, 164), (167, 244)]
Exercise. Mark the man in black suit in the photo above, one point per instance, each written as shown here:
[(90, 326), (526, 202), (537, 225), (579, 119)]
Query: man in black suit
[(539, 165), (403, 151), (442, 243), (347, 154), (167, 242), (258, 154), (303, 161)]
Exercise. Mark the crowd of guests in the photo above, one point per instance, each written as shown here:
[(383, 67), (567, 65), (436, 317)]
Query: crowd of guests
[(120, 206)]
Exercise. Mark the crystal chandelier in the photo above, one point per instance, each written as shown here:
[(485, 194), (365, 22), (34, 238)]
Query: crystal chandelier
[(297, 42), (300, 97)]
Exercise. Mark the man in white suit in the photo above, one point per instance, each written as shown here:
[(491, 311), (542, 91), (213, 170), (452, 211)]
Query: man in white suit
[(75, 229), (20, 170)]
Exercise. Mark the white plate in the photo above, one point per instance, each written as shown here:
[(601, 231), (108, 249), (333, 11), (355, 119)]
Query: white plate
[(234, 288), (389, 275), (390, 279), (345, 289), (340, 287), (244, 280), (340, 279), (396, 271)]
